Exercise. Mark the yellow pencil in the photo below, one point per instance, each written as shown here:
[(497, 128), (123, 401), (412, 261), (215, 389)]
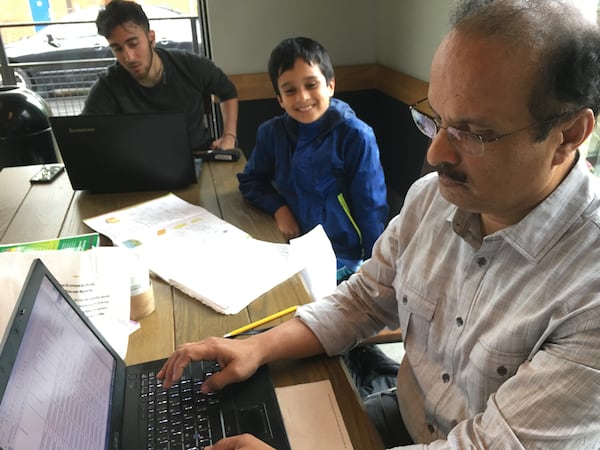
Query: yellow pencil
[(260, 322)]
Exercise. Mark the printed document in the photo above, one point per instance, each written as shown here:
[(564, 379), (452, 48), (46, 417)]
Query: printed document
[(198, 252), (98, 280)]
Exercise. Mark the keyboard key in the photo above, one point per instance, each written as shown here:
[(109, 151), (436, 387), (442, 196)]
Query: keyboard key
[(183, 417)]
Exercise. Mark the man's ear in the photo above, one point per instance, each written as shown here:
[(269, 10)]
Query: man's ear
[(280, 100), (152, 38), (574, 133)]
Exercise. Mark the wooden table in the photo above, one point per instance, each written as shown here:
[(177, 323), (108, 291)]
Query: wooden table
[(34, 212)]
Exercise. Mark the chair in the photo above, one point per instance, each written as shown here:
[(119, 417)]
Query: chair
[(209, 116), (370, 366)]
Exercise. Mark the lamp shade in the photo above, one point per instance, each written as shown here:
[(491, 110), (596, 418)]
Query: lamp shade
[(25, 133)]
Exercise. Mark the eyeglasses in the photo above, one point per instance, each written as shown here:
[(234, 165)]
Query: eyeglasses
[(462, 140)]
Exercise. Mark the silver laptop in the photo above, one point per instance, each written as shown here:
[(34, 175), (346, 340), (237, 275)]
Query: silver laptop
[(126, 152), (62, 386)]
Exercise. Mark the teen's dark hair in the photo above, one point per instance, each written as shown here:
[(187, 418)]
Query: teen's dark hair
[(563, 44), (289, 50), (118, 12)]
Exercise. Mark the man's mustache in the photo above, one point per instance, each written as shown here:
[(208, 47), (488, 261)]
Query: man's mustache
[(446, 170)]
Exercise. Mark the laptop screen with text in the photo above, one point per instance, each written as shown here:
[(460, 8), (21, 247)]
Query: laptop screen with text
[(45, 404)]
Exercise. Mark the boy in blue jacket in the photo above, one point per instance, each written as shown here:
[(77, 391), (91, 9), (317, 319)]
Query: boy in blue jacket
[(317, 163)]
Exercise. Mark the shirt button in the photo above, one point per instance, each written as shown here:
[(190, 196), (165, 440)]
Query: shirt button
[(502, 371), (481, 261), (404, 300), (459, 321), (430, 428), (445, 378)]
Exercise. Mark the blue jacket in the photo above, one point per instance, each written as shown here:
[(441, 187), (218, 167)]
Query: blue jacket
[(327, 172)]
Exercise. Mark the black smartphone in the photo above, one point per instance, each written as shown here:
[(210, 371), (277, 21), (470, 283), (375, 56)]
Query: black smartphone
[(47, 173)]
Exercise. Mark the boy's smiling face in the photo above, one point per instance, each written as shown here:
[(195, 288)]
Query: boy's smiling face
[(303, 92)]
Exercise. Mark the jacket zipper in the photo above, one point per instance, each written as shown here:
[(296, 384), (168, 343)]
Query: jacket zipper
[(346, 209)]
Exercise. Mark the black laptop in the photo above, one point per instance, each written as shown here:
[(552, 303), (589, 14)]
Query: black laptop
[(62, 386), (125, 152)]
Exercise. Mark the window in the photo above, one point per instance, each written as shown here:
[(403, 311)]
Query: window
[(62, 59), (591, 148)]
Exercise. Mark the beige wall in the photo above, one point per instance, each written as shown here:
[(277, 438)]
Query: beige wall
[(401, 34), (409, 31), (243, 33)]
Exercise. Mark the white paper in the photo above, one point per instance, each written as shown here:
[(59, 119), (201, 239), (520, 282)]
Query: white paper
[(316, 256), (236, 273), (98, 280), (199, 253), (167, 233)]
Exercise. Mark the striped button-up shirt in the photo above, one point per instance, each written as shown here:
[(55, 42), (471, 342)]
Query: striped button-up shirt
[(502, 332)]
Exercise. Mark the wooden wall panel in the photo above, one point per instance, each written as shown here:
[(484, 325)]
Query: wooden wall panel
[(253, 86), (400, 86), (257, 86)]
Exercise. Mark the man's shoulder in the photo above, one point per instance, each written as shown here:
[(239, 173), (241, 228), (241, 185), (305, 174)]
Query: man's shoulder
[(183, 56), (194, 66), (592, 191)]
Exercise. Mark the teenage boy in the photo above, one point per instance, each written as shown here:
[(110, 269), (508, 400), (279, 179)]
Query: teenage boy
[(317, 163), (146, 78)]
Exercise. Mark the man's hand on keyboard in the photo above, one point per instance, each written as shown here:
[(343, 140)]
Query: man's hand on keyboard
[(243, 441), (235, 358)]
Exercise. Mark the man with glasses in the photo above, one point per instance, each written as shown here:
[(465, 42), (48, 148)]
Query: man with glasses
[(490, 269)]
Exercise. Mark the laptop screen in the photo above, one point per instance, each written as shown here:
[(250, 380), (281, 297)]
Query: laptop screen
[(59, 392)]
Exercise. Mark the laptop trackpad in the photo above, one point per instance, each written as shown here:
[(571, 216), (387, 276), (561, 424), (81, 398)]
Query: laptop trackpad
[(251, 419)]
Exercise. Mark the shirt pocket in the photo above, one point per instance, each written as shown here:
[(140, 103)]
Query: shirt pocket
[(415, 312), (489, 368)]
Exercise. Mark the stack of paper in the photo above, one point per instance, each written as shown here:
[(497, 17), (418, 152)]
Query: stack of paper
[(98, 280), (199, 253)]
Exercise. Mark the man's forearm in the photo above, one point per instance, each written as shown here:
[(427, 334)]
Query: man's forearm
[(290, 340), (229, 111)]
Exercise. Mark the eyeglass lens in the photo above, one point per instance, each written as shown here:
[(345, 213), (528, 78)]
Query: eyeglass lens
[(462, 140), (427, 126)]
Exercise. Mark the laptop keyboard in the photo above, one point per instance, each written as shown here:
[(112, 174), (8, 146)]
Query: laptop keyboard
[(182, 417)]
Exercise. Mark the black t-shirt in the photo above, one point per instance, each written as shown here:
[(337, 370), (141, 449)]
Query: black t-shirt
[(187, 80)]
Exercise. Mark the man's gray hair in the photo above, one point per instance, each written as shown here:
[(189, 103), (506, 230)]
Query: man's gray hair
[(562, 42)]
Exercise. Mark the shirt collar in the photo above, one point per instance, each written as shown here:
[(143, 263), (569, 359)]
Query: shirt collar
[(537, 232)]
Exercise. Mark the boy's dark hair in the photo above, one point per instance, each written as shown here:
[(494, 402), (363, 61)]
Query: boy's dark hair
[(565, 44), (289, 50), (118, 12)]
